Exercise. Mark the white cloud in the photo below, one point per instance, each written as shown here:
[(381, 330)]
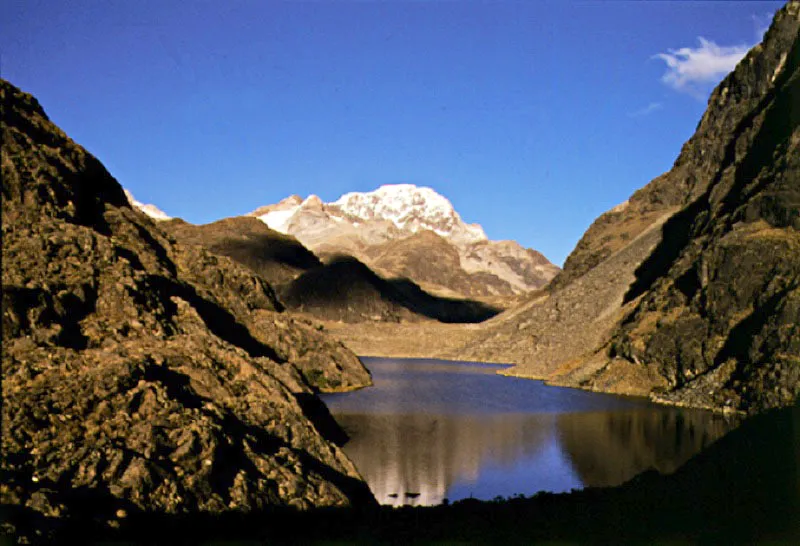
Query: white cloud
[(647, 110), (693, 70)]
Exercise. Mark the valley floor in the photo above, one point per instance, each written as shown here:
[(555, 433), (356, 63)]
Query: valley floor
[(428, 339)]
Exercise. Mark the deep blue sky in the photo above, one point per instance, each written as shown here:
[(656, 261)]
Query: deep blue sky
[(531, 117)]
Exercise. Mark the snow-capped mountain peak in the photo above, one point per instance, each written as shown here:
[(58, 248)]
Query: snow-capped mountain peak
[(368, 224), (393, 202), (408, 207)]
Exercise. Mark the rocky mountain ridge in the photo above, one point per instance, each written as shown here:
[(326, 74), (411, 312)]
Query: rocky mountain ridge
[(390, 222), (276, 257), (140, 374), (689, 291), (721, 324), (408, 207)]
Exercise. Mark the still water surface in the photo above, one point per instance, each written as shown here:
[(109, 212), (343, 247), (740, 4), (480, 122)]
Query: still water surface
[(430, 430)]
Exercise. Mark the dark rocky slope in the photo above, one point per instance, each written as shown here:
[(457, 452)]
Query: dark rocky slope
[(139, 374), (554, 331), (276, 257), (342, 288), (690, 289), (717, 304), (345, 289)]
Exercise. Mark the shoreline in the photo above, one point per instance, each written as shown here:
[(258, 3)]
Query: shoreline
[(512, 370)]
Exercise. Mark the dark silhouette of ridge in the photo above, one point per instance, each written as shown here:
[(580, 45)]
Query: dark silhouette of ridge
[(342, 288), (346, 289), (274, 256)]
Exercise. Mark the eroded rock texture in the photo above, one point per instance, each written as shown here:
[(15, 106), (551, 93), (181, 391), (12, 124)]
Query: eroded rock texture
[(689, 290), (140, 374), (718, 314)]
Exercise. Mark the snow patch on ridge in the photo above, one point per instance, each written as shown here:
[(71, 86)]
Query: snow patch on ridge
[(278, 219), (150, 210)]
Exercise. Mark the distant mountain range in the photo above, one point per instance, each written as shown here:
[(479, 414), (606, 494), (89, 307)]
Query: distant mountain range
[(412, 232), (398, 253), (340, 288), (399, 231)]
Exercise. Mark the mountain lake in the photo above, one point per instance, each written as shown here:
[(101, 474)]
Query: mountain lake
[(434, 431)]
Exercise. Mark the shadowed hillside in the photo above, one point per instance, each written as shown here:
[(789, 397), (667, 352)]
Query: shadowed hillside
[(346, 289), (276, 257), (342, 288), (139, 374)]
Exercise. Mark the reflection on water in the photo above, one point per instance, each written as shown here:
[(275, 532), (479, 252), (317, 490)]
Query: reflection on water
[(418, 458), (430, 430), (610, 448)]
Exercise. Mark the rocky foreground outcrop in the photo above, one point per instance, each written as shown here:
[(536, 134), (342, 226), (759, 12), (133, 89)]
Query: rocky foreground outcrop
[(717, 304), (689, 291), (742, 489), (140, 374)]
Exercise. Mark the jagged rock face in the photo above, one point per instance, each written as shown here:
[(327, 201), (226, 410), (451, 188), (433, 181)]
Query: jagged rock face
[(698, 164), (690, 288), (719, 300), (523, 268), (140, 374), (391, 222), (436, 263), (413, 258)]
